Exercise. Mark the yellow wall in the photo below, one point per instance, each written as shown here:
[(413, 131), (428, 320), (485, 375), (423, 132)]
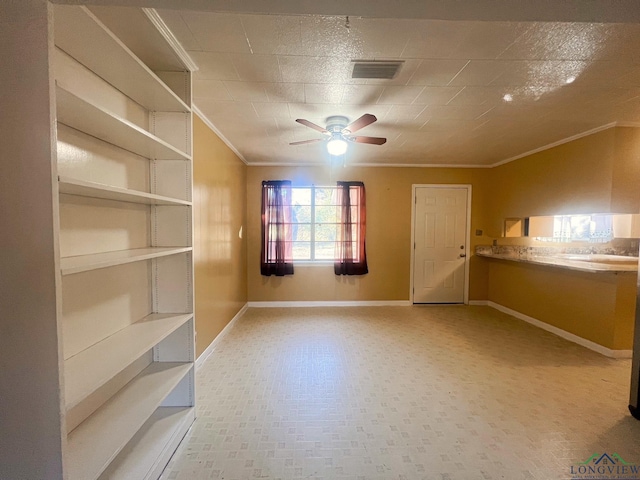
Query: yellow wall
[(599, 307), (598, 173), (388, 233), (625, 187), (594, 174), (572, 178), (219, 205)]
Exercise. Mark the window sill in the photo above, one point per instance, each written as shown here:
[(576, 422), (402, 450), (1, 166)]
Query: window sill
[(326, 263)]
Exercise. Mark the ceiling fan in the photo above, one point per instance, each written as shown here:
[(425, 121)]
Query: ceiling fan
[(339, 131)]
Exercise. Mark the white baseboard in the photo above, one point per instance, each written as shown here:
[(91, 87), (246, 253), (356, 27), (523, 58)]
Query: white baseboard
[(373, 303), (212, 346), (607, 352), (482, 303)]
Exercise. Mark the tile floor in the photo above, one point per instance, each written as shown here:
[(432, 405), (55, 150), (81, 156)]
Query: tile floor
[(390, 393)]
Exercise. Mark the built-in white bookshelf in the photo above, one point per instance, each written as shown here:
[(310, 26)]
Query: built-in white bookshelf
[(124, 180)]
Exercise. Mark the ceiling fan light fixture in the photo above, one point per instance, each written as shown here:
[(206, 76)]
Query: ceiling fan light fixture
[(338, 133), (337, 146)]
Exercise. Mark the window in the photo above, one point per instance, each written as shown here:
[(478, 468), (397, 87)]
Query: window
[(572, 228), (314, 223)]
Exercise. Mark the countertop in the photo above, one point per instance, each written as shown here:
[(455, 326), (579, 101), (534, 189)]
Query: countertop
[(581, 262)]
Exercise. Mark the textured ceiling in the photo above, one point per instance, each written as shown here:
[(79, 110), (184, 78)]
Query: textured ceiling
[(258, 73)]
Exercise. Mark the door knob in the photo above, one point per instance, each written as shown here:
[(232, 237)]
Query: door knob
[(462, 255)]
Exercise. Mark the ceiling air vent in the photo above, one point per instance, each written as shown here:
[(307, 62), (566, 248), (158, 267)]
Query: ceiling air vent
[(381, 69)]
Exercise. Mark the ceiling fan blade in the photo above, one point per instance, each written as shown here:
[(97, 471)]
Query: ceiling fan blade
[(370, 140), (307, 123), (304, 142), (363, 121)]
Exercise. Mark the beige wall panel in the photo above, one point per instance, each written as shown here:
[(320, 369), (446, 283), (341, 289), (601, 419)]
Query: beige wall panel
[(625, 188), (219, 207), (388, 233), (625, 313)]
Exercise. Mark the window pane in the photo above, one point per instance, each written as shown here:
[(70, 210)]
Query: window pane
[(326, 214), (354, 233), (325, 250), (301, 232), (301, 250), (580, 227), (301, 196), (326, 232), (301, 214), (325, 196)]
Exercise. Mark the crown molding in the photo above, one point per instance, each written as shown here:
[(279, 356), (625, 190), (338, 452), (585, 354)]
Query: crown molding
[(558, 143), (208, 123), (155, 18), (418, 165)]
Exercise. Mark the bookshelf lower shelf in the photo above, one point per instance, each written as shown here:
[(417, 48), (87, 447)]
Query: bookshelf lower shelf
[(96, 442), (95, 366), (148, 452)]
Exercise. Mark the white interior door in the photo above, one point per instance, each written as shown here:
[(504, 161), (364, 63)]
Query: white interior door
[(440, 244)]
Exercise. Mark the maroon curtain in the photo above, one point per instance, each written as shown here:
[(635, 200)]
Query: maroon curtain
[(276, 257), (351, 256)]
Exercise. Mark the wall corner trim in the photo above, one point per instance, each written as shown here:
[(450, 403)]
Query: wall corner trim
[(607, 352), (332, 303), (212, 346)]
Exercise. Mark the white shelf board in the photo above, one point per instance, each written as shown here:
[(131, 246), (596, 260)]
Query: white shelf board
[(80, 114), (73, 186), (84, 263), (98, 440), (96, 365), (81, 34), (148, 452)]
